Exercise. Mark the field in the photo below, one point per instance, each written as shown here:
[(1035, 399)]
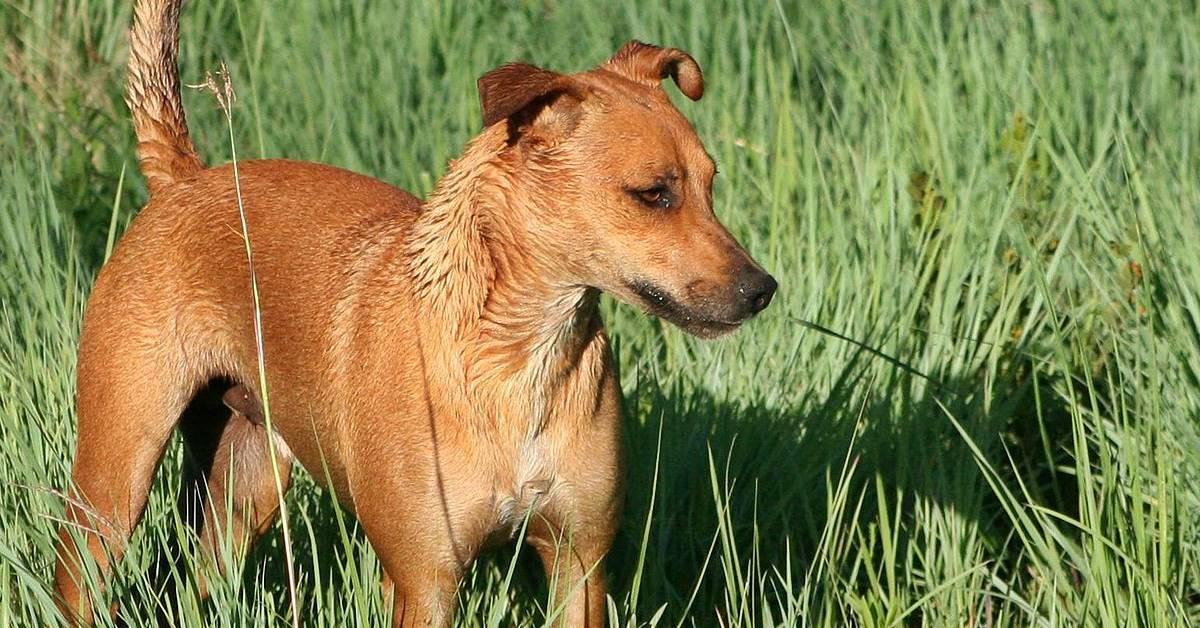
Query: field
[(998, 201)]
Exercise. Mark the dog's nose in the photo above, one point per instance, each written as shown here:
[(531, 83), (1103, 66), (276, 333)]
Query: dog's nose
[(757, 287)]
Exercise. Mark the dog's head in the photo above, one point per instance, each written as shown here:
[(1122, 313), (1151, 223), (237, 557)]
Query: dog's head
[(625, 186)]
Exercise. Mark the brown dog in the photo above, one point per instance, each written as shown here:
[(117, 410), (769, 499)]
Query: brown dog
[(441, 365)]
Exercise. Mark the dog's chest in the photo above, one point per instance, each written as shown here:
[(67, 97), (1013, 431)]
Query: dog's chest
[(527, 480), (532, 418)]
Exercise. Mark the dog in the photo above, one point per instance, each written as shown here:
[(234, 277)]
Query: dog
[(441, 366)]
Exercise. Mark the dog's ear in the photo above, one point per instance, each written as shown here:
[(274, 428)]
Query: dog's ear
[(515, 88), (650, 64)]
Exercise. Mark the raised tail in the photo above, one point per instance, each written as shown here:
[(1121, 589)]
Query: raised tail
[(165, 150)]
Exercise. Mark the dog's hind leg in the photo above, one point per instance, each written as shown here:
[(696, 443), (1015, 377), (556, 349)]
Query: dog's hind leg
[(131, 391), (231, 484)]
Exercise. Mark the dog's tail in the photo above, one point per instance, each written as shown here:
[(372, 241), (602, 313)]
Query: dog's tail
[(165, 149)]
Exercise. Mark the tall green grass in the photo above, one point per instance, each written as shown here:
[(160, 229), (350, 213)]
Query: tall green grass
[(1003, 197)]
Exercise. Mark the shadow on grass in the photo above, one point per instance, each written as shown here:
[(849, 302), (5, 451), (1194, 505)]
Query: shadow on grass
[(775, 470)]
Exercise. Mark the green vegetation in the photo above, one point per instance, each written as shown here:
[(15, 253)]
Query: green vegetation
[(1004, 198)]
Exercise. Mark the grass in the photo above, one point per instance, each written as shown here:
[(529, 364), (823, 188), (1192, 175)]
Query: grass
[(1002, 197)]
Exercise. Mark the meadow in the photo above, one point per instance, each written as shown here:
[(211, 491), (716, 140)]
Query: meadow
[(998, 203)]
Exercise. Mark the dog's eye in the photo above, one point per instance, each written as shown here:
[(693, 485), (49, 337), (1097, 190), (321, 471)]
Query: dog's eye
[(655, 196)]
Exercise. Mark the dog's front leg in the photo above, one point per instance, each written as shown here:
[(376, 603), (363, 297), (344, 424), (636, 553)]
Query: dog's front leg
[(573, 529), (408, 513), (573, 562), (421, 572), (420, 603)]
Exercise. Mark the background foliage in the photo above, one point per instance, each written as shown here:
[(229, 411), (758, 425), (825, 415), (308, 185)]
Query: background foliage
[(1002, 195)]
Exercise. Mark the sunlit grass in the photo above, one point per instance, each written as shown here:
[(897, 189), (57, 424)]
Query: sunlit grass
[(1004, 198)]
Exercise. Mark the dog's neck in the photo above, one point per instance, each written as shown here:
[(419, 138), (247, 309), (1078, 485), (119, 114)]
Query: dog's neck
[(516, 325)]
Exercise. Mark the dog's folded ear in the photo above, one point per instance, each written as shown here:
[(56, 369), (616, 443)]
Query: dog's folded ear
[(650, 64), (513, 88)]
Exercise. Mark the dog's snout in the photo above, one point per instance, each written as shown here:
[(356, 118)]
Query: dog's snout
[(757, 287)]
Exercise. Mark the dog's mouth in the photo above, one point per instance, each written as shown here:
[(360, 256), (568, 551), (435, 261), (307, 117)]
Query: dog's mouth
[(659, 302)]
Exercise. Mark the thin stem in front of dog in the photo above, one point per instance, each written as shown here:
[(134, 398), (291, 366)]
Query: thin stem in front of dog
[(868, 348), (225, 96)]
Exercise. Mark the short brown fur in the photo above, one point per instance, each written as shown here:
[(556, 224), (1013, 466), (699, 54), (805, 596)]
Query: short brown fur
[(442, 366)]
